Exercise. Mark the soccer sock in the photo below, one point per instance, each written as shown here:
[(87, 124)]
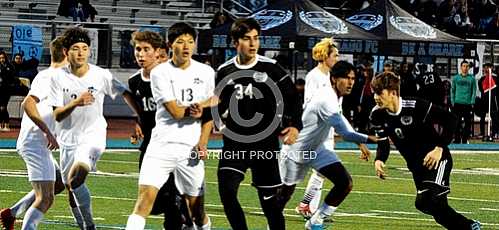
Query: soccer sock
[(313, 189), (23, 204), (135, 222), (77, 217), (32, 218), (324, 212), (83, 200), (206, 226)]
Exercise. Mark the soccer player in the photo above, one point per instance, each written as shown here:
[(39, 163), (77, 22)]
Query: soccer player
[(150, 49), (313, 147), (34, 144), (421, 131), (179, 87), (251, 84), (77, 95), (326, 54)]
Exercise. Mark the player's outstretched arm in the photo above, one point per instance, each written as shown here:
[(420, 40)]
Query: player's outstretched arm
[(29, 106), (86, 98), (342, 127)]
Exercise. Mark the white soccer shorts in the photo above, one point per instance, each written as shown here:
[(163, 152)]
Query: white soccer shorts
[(163, 158), (40, 164), (83, 153), (293, 172)]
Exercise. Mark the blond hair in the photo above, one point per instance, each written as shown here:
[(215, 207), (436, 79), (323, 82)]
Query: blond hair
[(323, 49)]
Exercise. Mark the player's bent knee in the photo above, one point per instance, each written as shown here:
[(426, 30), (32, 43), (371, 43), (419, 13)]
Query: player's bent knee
[(424, 203)]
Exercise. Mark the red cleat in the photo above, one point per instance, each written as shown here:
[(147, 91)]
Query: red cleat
[(7, 220)]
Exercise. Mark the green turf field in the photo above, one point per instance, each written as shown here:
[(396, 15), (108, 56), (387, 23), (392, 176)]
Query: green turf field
[(373, 203)]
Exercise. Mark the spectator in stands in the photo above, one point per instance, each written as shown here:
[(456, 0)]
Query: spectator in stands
[(408, 86), (6, 80), (460, 23), (388, 66), (426, 11), (463, 92), (444, 13), (25, 69), (85, 10), (483, 13), (486, 90), (67, 8), (493, 28), (366, 100), (218, 19)]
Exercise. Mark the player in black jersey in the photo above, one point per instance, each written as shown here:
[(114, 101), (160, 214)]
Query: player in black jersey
[(148, 47), (421, 131), (258, 97)]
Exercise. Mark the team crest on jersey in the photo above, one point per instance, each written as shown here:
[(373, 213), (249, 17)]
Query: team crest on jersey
[(92, 89), (324, 22), (366, 21), (406, 120), (260, 76), (413, 27), (269, 19), (198, 81)]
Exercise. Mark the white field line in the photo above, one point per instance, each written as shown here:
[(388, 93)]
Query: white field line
[(374, 214)]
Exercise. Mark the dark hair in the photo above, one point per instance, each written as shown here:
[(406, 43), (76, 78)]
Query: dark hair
[(18, 54), (342, 69), (56, 49), (2, 52), (74, 35), (386, 80), (242, 26), (153, 38), (488, 64), (464, 62), (179, 29)]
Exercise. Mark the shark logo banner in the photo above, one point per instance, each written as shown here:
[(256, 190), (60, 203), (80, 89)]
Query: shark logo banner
[(366, 21), (269, 19), (413, 27), (324, 22)]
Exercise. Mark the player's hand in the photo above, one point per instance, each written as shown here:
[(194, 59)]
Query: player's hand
[(365, 154), (290, 135), (432, 158), (202, 150), (195, 110), (138, 132), (52, 141), (85, 98), (379, 166)]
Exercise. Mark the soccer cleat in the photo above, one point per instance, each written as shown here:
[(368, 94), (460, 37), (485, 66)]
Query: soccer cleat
[(304, 210), (476, 225), (7, 220), (310, 226)]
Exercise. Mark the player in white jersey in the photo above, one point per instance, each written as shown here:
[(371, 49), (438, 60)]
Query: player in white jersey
[(326, 54), (77, 95), (179, 86), (34, 144), (312, 148)]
